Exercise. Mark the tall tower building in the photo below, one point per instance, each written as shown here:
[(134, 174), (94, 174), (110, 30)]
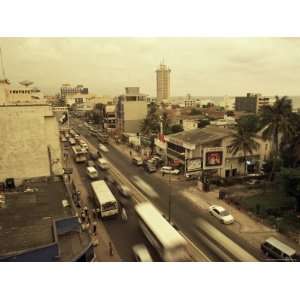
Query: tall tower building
[(163, 82)]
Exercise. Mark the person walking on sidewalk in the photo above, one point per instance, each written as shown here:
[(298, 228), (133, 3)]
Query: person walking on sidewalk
[(94, 228), (124, 214)]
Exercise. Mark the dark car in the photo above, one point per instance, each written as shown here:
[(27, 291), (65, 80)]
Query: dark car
[(149, 167)]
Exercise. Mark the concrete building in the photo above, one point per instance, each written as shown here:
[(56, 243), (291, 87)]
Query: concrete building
[(38, 224), (68, 90), (29, 138), (131, 110), (110, 118), (252, 103), (163, 83), (20, 93), (207, 149)]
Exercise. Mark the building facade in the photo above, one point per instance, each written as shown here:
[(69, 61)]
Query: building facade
[(131, 110), (163, 83), (252, 103), (68, 90), (198, 150)]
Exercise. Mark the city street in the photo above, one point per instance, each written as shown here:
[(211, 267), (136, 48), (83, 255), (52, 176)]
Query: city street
[(183, 213)]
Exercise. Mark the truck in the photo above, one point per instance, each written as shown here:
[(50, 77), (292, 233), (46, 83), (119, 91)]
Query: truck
[(79, 154)]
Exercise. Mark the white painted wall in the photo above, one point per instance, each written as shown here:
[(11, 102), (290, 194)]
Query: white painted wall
[(26, 132)]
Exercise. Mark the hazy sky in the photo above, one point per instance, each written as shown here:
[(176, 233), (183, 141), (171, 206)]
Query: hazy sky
[(200, 66)]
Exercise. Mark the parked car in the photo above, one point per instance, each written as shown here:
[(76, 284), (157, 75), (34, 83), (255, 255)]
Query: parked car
[(221, 213), (137, 161), (92, 172), (149, 167), (103, 148), (169, 170), (124, 190), (141, 253)]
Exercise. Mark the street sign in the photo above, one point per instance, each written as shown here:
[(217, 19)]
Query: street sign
[(68, 170)]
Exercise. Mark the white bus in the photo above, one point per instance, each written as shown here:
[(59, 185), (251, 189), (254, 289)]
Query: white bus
[(79, 154), (104, 199), (170, 245)]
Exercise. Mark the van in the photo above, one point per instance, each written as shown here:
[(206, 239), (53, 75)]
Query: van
[(137, 161), (92, 172), (274, 248), (103, 163)]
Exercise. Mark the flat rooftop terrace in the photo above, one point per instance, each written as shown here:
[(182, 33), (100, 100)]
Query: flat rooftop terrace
[(26, 219)]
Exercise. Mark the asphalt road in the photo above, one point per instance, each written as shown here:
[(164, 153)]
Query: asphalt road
[(183, 214), (124, 234)]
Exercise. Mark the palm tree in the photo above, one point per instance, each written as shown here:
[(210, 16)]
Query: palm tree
[(243, 141), (277, 123)]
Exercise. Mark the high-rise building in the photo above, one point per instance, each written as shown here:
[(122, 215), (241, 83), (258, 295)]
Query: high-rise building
[(163, 82), (67, 90)]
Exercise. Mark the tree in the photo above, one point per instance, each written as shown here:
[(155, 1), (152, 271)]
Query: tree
[(291, 183), (176, 128), (151, 124), (277, 123), (165, 123), (195, 111), (243, 141), (249, 123), (290, 147), (202, 123)]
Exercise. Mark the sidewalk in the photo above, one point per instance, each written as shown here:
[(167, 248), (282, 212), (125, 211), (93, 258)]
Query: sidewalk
[(245, 226), (101, 238)]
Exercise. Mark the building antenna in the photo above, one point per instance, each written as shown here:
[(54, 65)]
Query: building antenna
[(2, 65)]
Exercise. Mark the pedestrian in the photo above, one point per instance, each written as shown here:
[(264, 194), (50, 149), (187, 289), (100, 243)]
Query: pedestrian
[(110, 249), (86, 210), (94, 213), (124, 214), (130, 153), (94, 227)]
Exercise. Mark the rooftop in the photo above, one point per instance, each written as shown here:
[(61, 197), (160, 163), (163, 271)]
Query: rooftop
[(200, 136), (27, 218)]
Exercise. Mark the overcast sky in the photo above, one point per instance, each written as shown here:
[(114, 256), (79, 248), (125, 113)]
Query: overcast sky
[(199, 66)]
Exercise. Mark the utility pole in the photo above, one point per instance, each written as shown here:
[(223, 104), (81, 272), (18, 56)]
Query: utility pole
[(170, 197)]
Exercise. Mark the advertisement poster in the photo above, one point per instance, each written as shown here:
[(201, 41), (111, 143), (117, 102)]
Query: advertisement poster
[(193, 165), (213, 158)]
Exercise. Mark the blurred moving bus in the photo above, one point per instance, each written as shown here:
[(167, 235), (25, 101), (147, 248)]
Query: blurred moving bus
[(170, 245)]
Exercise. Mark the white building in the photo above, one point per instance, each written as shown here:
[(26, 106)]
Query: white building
[(132, 108), (29, 137)]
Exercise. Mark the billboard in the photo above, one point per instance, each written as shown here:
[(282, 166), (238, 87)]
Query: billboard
[(193, 165), (213, 158)]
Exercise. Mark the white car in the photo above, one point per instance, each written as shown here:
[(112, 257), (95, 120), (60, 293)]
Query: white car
[(221, 213), (103, 148), (141, 253), (146, 188), (169, 170), (124, 190)]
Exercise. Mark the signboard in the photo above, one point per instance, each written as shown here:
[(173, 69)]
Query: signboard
[(62, 116), (193, 164), (213, 158)]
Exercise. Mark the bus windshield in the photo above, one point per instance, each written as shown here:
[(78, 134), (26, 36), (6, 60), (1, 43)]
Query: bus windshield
[(109, 206)]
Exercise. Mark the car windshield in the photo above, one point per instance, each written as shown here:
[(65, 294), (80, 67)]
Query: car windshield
[(224, 213)]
